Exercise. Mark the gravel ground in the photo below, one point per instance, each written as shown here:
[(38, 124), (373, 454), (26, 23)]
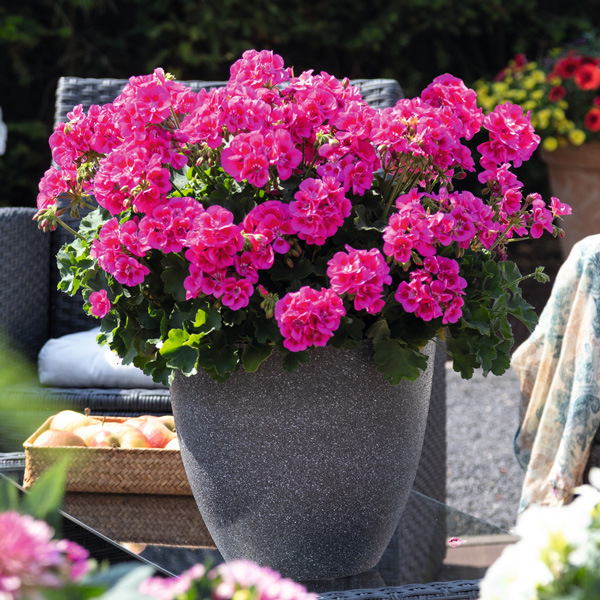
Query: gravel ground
[(484, 478)]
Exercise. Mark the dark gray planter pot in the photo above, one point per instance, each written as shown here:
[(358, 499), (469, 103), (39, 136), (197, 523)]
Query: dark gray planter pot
[(309, 472)]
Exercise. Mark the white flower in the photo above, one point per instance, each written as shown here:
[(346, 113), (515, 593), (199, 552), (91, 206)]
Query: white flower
[(552, 541)]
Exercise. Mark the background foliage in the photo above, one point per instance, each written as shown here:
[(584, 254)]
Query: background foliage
[(409, 40)]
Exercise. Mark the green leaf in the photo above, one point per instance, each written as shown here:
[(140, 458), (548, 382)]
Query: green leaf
[(501, 363), (522, 310), (463, 361), (9, 496), (178, 353), (397, 361), (484, 348), (478, 319), (282, 272), (175, 271), (361, 222), (292, 360), (253, 355), (379, 331), (349, 333), (46, 495)]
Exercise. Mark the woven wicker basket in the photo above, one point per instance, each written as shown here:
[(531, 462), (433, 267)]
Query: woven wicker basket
[(142, 518), (110, 470)]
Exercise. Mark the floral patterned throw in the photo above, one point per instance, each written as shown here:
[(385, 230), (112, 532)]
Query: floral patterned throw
[(559, 370)]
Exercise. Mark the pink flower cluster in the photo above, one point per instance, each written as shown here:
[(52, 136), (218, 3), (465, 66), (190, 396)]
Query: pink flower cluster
[(308, 317), (115, 249), (434, 290), (361, 274), (512, 137), (271, 132), (319, 209), (227, 579), (31, 561), (430, 127)]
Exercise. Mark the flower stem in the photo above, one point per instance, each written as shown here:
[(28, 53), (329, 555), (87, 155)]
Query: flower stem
[(70, 229)]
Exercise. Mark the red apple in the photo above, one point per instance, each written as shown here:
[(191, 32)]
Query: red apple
[(51, 437), (119, 435), (173, 444), (169, 421), (88, 432), (158, 435), (69, 420)]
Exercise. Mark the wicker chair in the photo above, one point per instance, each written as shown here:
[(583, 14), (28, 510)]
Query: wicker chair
[(32, 310)]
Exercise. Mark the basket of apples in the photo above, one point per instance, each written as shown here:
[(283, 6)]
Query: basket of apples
[(126, 455)]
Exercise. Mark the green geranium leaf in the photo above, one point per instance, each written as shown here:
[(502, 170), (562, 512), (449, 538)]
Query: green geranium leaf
[(93, 221), (292, 360), (501, 363), (484, 348), (218, 359), (282, 272), (265, 330), (522, 310), (379, 331), (361, 221), (463, 361), (200, 319), (397, 361), (178, 353), (174, 272), (510, 271), (478, 319), (253, 355), (349, 333)]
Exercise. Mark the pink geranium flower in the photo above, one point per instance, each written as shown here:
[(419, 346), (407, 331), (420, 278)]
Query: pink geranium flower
[(31, 561), (100, 303), (308, 317)]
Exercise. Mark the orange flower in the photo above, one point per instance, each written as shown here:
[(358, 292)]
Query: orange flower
[(587, 76), (592, 119)]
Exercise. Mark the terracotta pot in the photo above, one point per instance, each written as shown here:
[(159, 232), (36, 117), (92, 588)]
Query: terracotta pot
[(575, 179), (308, 472)]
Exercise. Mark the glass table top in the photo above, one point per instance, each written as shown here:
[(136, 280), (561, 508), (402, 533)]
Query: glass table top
[(168, 533)]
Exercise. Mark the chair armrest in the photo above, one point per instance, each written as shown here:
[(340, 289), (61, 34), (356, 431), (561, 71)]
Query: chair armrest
[(24, 281)]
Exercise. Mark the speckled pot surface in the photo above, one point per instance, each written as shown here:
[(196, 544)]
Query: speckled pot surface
[(308, 472)]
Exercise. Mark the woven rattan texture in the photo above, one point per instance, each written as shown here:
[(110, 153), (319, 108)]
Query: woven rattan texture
[(24, 281), (110, 470), (141, 518), (71, 91), (448, 590)]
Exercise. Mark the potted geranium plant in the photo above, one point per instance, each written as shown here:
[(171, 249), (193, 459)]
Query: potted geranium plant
[(562, 91), (249, 227)]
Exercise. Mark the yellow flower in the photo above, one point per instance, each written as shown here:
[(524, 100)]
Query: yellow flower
[(539, 76), (537, 94), (529, 83), (576, 137), (550, 144)]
